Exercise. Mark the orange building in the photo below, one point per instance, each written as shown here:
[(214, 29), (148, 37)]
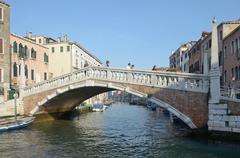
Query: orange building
[(35, 59)]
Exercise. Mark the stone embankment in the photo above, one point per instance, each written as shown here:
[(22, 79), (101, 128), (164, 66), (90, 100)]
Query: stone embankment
[(225, 117)]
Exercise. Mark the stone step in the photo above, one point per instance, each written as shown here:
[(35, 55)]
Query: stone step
[(217, 106)]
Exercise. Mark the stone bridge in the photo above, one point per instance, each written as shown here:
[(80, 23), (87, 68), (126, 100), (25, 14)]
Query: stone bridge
[(183, 94)]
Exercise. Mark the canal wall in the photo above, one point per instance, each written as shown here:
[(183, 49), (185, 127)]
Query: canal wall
[(8, 108), (225, 117)]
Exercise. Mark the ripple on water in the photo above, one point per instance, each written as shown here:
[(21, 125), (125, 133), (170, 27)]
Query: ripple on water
[(121, 131)]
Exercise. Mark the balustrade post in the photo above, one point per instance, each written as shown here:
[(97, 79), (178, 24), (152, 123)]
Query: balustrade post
[(153, 80), (129, 76), (109, 74)]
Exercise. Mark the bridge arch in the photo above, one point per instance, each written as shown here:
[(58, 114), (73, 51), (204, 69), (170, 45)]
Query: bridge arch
[(91, 85), (184, 94)]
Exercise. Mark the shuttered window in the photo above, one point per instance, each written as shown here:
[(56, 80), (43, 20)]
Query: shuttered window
[(1, 75), (1, 45), (1, 14)]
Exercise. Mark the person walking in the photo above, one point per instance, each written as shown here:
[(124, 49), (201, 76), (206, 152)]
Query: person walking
[(129, 66), (132, 66), (107, 63), (154, 68)]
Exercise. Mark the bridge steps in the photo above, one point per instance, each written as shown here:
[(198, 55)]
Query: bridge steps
[(220, 118)]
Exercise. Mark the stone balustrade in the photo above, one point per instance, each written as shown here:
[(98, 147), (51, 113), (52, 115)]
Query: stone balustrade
[(161, 79)]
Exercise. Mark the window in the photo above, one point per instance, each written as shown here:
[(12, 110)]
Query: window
[(225, 76), (19, 70), (25, 52), (45, 76), (196, 66), (15, 72), (53, 49), (239, 72), (39, 41), (68, 48), (236, 73), (210, 43), (221, 35), (45, 58), (236, 41), (1, 14), (232, 47), (1, 75), (15, 47), (33, 54), (21, 51), (1, 46), (76, 62), (225, 51), (239, 43), (232, 74), (32, 74), (26, 71), (61, 49)]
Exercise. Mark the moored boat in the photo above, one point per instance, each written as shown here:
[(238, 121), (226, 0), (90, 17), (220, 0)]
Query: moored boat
[(98, 107), (15, 123)]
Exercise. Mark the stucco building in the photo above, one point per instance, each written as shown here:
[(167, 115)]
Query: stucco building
[(35, 59), (231, 58), (4, 50), (195, 56), (65, 56), (177, 57)]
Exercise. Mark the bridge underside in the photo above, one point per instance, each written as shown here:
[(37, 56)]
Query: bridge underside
[(191, 107)]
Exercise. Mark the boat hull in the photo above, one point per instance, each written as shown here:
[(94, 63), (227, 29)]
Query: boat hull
[(21, 123)]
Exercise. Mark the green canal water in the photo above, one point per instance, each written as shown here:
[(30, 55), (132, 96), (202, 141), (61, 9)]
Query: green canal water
[(121, 131)]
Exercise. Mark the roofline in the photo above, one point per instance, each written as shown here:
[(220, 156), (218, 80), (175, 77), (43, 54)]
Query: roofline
[(45, 37), (229, 22), (85, 50), (235, 30), (27, 40), (8, 5)]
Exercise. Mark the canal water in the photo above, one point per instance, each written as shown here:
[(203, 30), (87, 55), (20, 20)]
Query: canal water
[(121, 131)]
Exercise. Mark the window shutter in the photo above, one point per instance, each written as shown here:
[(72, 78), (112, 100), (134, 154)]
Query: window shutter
[(1, 14), (1, 45)]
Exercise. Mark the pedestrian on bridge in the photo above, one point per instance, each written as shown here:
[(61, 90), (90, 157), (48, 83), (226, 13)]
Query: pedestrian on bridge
[(107, 63), (132, 66), (154, 68), (129, 66)]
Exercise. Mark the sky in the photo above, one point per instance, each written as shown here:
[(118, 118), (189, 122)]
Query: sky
[(142, 32)]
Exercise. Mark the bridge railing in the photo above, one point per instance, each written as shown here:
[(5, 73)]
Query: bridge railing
[(162, 79), (230, 92)]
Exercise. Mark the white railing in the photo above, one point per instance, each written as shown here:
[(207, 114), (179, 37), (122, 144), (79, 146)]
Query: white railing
[(230, 92), (161, 79)]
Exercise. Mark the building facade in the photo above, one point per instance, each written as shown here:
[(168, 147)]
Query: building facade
[(35, 61), (177, 57), (4, 50), (195, 56), (224, 29), (65, 56), (231, 58)]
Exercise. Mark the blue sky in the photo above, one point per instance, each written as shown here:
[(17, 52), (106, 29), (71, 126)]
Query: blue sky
[(143, 32)]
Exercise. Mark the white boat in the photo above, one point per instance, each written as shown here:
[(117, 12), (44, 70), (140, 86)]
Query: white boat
[(98, 107)]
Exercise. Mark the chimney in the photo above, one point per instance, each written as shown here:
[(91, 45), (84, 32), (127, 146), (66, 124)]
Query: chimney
[(29, 35), (59, 39), (65, 38)]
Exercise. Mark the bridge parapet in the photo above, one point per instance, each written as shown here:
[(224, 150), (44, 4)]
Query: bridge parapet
[(170, 80)]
